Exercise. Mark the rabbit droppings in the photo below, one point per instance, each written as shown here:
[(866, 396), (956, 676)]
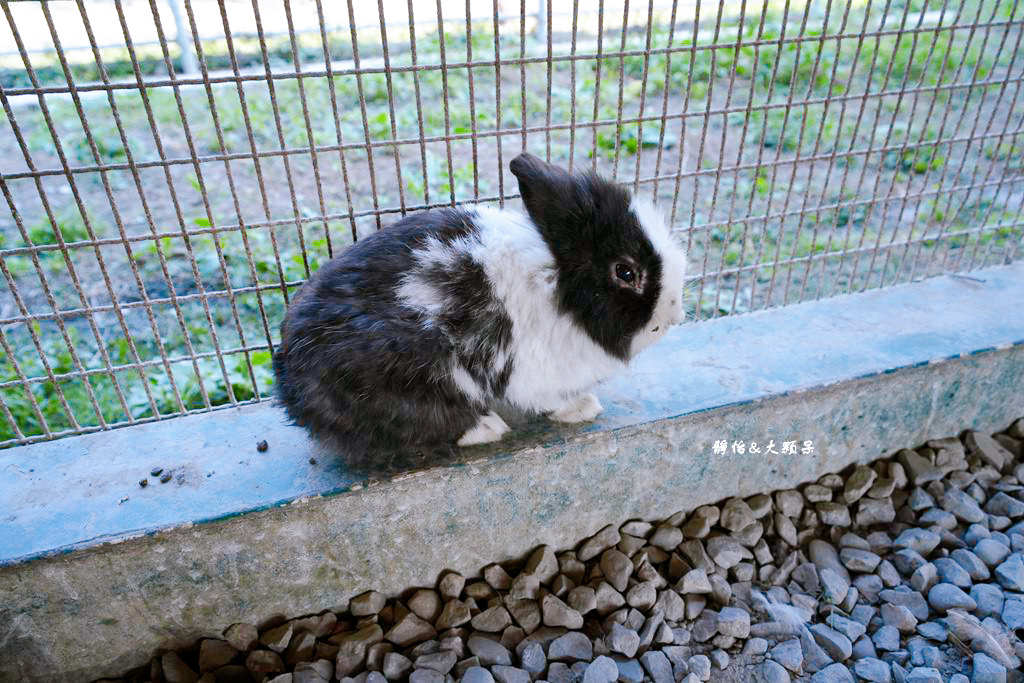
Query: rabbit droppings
[(411, 337)]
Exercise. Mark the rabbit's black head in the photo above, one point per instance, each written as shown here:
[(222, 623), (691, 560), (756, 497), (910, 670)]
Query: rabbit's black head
[(620, 274)]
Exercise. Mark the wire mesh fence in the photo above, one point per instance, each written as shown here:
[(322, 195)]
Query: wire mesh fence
[(171, 172)]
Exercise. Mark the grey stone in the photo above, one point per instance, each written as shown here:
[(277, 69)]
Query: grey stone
[(598, 543), (789, 654), (906, 561), (490, 652), (733, 621), (945, 596), (450, 585), (277, 638), (366, 604), (630, 671), (726, 552), (919, 470), (395, 666), (736, 514), (922, 541), (666, 537), (834, 586), (175, 670), (602, 670), (526, 613), (899, 616), (924, 674), (874, 510), (705, 626), (670, 604), (833, 514), (557, 613), (641, 596), (657, 666), (542, 564), (623, 640), (848, 627), (962, 505), (426, 676), (951, 571), (790, 503), (352, 649), (455, 614), (242, 637), (583, 599), (913, 600), (258, 662), (442, 661), (214, 653), (858, 560), (749, 535), (573, 646), (720, 659), (989, 449), (493, 619), (700, 522), (832, 641), (509, 674), (971, 563), (700, 666), (694, 581), (607, 599), (816, 493), (1005, 505), (858, 483), (863, 647), (1010, 574), (933, 630), (989, 599), (872, 669), (322, 671), (987, 670), (785, 529), (524, 587), (833, 673), (616, 568), (924, 577), (886, 638), (769, 671), (410, 630), (1013, 613), (477, 674), (991, 551)]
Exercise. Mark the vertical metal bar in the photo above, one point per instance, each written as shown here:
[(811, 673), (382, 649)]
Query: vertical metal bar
[(362, 110), (643, 96), (721, 156), (200, 181), (663, 126), (419, 104), (682, 131), (472, 103), (572, 85), (447, 115), (498, 126), (622, 69), (547, 108), (522, 68), (188, 53), (391, 104), (328, 66), (597, 78)]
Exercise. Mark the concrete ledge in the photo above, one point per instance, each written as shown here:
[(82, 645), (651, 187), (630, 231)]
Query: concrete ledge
[(100, 572)]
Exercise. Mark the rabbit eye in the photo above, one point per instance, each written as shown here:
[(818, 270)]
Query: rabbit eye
[(625, 273)]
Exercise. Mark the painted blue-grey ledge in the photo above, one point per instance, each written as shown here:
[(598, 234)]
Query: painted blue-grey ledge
[(96, 572)]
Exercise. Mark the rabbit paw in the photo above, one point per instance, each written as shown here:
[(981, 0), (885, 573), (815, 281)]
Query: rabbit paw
[(580, 408), (489, 427)]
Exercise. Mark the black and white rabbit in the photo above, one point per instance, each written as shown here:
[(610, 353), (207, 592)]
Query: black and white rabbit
[(412, 336)]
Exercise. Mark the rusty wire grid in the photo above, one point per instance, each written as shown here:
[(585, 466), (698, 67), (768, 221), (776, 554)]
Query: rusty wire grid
[(171, 172)]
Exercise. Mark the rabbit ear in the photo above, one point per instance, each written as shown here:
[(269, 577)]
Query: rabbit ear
[(551, 195)]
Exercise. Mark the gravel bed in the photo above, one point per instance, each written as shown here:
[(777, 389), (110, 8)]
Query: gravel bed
[(907, 570)]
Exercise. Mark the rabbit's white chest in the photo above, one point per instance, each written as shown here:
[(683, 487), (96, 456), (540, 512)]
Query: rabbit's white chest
[(553, 358)]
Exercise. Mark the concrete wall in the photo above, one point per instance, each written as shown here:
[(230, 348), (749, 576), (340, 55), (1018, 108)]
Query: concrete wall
[(99, 573)]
